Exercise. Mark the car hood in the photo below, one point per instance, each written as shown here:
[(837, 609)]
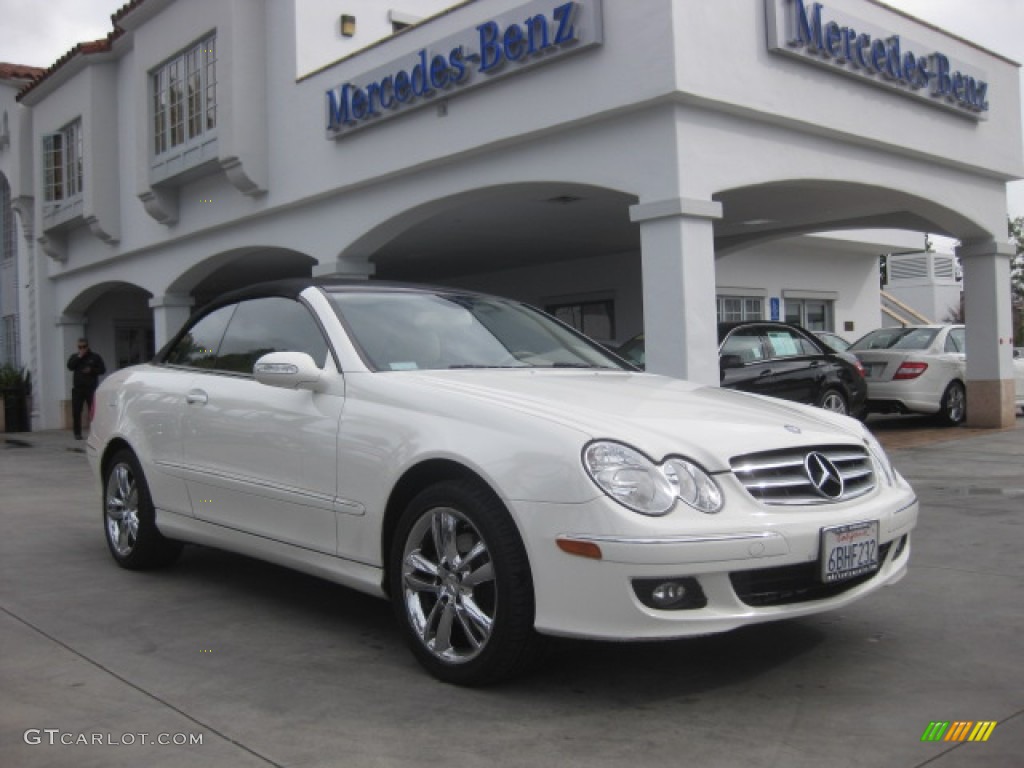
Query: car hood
[(656, 414)]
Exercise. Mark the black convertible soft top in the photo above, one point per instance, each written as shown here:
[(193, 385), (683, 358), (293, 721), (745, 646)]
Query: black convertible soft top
[(291, 288)]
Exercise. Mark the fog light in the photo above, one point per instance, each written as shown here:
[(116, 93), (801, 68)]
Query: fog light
[(683, 593), (668, 594)]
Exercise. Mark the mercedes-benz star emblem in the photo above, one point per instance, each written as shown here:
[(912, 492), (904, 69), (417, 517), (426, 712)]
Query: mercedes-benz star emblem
[(823, 475)]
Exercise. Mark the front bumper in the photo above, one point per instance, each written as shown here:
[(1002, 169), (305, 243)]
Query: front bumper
[(752, 565)]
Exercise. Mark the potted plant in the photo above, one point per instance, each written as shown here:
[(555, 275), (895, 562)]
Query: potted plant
[(15, 390)]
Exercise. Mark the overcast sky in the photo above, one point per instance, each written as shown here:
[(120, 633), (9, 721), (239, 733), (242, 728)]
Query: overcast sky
[(38, 32)]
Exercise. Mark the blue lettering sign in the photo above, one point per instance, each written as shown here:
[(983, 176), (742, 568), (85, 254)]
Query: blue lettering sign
[(499, 42), (811, 30)]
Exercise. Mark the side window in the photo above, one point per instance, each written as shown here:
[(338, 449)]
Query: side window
[(786, 343), (198, 347), (267, 325), (955, 342), (745, 342)]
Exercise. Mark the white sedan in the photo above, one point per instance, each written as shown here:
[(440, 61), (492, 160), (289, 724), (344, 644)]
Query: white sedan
[(493, 473), (921, 369), (916, 369)]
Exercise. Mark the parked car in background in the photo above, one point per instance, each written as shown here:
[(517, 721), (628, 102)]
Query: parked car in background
[(833, 340), (1018, 375), (492, 472), (916, 369), (781, 360)]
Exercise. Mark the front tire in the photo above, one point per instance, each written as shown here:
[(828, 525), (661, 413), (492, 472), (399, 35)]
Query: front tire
[(953, 408), (129, 519), (461, 586)]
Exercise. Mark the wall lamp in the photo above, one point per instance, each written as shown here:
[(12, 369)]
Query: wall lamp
[(348, 25)]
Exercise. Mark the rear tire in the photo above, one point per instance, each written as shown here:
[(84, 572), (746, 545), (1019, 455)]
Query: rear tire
[(129, 519), (461, 586), (833, 400), (953, 408)]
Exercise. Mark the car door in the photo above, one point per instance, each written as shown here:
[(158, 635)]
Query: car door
[(799, 369), (751, 370), (263, 459), (160, 410)]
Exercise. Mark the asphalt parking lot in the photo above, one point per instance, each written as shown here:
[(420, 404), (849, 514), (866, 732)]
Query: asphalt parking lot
[(266, 667)]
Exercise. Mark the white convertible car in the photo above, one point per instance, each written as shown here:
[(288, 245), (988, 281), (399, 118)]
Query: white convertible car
[(493, 473)]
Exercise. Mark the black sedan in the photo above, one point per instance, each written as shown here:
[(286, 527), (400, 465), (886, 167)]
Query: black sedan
[(781, 360)]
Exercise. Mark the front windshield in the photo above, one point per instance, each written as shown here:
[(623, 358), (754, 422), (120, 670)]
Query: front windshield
[(406, 331), (896, 338)]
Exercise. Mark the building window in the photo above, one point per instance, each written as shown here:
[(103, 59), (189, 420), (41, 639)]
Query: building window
[(812, 314), (185, 97), (400, 20), (62, 163), (595, 319), (735, 309)]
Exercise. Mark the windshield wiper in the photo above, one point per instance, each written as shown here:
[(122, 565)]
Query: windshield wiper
[(478, 365)]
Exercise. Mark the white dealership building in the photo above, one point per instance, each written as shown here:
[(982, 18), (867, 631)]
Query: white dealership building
[(650, 165)]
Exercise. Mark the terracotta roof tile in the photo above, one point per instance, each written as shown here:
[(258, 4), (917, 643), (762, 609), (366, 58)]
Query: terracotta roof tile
[(86, 48), (19, 71)]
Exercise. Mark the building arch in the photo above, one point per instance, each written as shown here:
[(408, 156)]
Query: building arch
[(236, 268), (496, 227), (784, 208)]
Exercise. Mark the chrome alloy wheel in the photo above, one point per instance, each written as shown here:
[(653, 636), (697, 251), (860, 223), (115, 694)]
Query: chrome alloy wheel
[(834, 401), (955, 404), (448, 579), (122, 509)]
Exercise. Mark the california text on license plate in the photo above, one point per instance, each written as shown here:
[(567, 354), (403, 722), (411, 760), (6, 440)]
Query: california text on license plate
[(848, 551)]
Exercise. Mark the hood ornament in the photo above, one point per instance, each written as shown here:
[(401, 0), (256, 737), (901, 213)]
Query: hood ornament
[(794, 429)]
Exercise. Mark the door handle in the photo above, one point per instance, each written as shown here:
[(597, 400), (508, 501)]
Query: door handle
[(196, 397), (765, 373)]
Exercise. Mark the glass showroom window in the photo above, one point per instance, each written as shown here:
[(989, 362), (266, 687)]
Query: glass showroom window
[(734, 309), (812, 314), (185, 96), (62, 163)]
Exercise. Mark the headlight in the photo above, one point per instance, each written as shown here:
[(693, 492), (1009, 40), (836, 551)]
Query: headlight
[(639, 484), (881, 458), (693, 485)]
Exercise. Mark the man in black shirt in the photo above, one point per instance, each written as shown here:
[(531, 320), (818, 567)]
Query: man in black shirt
[(87, 367)]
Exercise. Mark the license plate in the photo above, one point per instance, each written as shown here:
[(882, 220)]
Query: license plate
[(873, 370), (848, 551)]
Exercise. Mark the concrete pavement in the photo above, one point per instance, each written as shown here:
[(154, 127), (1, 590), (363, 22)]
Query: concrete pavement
[(269, 667)]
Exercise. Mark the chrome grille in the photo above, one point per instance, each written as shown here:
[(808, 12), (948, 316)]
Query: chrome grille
[(782, 477)]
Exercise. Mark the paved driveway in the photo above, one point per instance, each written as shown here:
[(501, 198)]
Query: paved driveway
[(272, 668)]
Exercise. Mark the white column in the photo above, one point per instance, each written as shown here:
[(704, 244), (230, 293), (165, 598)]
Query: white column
[(990, 381), (170, 312), (678, 261)]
